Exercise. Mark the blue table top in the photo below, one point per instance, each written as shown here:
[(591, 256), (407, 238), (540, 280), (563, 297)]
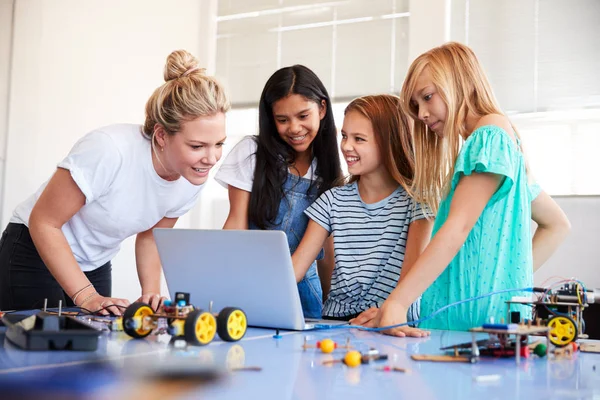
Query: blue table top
[(289, 372)]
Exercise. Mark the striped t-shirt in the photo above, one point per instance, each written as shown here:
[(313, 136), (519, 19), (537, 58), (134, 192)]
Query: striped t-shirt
[(369, 246)]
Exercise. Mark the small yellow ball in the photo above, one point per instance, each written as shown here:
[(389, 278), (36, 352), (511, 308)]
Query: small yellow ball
[(327, 346), (352, 359)]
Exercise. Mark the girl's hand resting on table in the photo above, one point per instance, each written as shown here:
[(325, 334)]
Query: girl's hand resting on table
[(390, 313), (366, 318)]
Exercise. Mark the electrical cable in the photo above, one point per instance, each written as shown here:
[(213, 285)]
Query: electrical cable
[(384, 328)]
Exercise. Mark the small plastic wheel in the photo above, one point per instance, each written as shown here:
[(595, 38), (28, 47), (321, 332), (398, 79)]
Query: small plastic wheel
[(563, 330), (136, 311), (199, 328), (231, 324)]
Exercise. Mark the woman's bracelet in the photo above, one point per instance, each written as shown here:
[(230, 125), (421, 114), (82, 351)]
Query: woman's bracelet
[(94, 293), (74, 297)]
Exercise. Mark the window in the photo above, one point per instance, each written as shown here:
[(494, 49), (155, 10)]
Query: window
[(355, 47), (542, 59)]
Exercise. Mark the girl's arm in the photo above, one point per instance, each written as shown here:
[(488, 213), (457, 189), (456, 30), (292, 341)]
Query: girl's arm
[(419, 235), (472, 194), (325, 267), (553, 227), (239, 201), (60, 200), (308, 249), (148, 265)]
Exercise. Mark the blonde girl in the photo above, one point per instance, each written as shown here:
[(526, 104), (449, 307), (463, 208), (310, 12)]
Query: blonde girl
[(472, 173)]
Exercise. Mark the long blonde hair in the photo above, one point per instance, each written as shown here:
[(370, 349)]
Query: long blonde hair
[(392, 133), (465, 89), (186, 94)]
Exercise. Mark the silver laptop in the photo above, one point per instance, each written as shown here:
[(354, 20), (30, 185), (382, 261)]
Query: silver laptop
[(249, 269)]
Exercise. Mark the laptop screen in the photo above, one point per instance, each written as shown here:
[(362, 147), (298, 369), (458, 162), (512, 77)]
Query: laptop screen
[(248, 269)]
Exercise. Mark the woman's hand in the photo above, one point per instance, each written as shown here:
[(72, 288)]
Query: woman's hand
[(155, 300), (105, 305), (394, 313)]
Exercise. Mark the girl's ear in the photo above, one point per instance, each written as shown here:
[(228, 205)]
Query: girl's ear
[(322, 109), (159, 135)]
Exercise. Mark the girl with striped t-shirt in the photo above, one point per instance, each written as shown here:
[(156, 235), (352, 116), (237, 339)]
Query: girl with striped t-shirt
[(377, 229)]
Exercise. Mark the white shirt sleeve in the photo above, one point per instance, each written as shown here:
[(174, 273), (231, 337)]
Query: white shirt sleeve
[(93, 163), (238, 167)]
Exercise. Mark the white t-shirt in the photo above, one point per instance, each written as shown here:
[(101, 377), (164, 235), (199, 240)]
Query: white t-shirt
[(238, 167), (124, 195)]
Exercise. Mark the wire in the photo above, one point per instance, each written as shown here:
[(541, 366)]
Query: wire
[(384, 328), (85, 311), (562, 278)]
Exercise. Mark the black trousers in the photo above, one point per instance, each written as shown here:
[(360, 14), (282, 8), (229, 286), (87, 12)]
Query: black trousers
[(25, 281)]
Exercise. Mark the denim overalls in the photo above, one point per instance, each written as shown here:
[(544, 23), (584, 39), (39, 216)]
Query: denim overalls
[(292, 220)]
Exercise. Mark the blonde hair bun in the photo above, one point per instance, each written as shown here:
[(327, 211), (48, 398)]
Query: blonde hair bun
[(181, 63), (187, 94)]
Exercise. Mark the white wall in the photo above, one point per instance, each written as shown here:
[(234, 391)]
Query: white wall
[(78, 65), (579, 256), (429, 25), (6, 15)]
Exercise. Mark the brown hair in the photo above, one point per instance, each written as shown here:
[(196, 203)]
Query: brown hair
[(392, 133)]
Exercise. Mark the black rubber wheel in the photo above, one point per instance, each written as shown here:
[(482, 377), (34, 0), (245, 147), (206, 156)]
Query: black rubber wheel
[(231, 324), (563, 330), (199, 328), (136, 310)]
